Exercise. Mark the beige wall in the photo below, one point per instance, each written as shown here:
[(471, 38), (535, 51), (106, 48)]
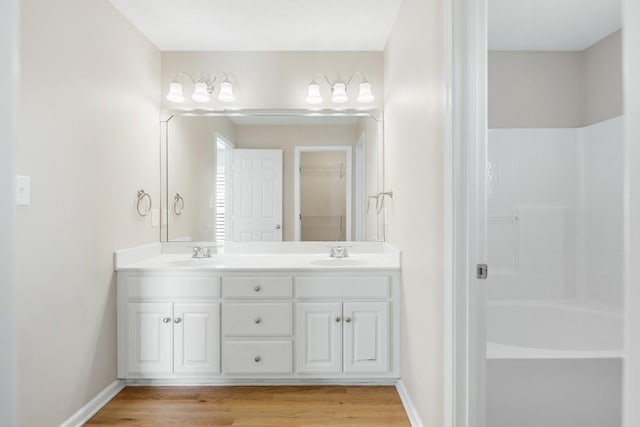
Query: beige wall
[(556, 89), (88, 136), (632, 212), (414, 103), (602, 80), (274, 79), (287, 138), (8, 84), (192, 173)]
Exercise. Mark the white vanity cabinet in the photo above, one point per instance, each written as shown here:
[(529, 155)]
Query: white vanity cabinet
[(350, 335), (168, 326), (236, 326)]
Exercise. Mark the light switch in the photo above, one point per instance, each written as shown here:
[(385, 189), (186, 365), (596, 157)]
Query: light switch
[(23, 190), (155, 217)]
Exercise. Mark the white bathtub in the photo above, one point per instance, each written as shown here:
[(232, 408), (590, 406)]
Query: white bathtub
[(550, 330)]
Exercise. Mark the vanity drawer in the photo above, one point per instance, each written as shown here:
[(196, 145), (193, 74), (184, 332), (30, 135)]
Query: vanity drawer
[(144, 287), (257, 357), (257, 319), (257, 287), (343, 287)]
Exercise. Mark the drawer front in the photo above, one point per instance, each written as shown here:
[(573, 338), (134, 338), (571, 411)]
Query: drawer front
[(257, 319), (145, 287), (257, 287), (343, 287), (257, 357)]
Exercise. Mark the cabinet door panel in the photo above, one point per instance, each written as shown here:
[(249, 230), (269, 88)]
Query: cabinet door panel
[(150, 338), (197, 337), (318, 337), (366, 337)]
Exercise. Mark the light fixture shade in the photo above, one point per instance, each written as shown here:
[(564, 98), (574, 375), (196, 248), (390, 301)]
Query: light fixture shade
[(313, 93), (175, 92), (226, 92), (339, 95), (365, 94), (201, 92)]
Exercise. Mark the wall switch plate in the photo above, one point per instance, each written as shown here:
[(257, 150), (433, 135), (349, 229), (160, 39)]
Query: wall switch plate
[(23, 190), (155, 217)]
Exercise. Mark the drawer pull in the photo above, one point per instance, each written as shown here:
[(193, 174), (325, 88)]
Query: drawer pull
[(257, 359), (166, 319), (177, 320), (347, 319), (257, 288), (257, 320)]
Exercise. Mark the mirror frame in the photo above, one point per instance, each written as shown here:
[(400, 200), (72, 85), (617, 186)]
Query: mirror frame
[(167, 115)]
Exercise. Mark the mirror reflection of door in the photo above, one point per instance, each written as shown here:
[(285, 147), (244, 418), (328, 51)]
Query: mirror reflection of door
[(257, 195), (324, 180)]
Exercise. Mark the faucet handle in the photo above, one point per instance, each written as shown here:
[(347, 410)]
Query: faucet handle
[(197, 250)]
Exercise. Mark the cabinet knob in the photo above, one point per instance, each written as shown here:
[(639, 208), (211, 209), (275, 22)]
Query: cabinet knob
[(257, 359), (257, 288), (166, 319), (257, 320), (278, 227), (347, 319), (338, 319), (177, 320)]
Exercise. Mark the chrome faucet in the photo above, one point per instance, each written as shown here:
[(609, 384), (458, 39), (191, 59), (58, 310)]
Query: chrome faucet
[(201, 252), (339, 251)]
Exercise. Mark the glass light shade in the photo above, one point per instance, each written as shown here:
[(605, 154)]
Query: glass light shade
[(365, 94), (226, 92), (339, 93), (201, 92), (175, 92), (313, 94)]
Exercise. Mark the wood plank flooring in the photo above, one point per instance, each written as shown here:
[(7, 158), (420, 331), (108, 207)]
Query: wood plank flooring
[(285, 406)]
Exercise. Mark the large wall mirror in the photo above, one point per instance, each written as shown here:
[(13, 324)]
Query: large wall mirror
[(272, 176)]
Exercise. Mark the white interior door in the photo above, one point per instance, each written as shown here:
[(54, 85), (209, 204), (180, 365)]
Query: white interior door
[(256, 195)]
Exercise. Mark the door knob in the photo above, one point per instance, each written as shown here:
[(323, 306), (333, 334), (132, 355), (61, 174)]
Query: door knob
[(278, 226)]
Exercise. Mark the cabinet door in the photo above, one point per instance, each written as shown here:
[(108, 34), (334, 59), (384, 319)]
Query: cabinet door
[(150, 338), (196, 338), (318, 337), (366, 337)]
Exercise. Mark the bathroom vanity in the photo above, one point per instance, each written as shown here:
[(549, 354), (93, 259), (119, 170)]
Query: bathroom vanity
[(279, 313)]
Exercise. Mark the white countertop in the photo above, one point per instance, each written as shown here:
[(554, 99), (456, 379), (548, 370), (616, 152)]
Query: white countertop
[(155, 257)]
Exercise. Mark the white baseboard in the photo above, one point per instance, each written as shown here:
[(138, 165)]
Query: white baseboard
[(182, 382), (414, 418), (94, 405)]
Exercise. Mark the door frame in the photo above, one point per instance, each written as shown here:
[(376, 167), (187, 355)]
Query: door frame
[(465, 139), (360, 197), (299, 149)]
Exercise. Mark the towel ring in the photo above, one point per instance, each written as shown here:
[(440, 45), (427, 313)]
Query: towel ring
[(178, 200), (141, 196)]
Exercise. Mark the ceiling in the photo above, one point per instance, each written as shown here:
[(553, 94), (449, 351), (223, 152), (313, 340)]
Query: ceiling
[(551, 24), (260, 25)]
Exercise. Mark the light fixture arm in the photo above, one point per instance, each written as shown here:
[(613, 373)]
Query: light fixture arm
[(357, 73)]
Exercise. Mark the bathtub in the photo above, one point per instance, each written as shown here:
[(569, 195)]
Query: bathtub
[(552, 330)]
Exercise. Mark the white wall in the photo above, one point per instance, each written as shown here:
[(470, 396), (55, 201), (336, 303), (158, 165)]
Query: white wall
[(88, 137), (9, 32), (632, 211), (414, 104), (274, 79)]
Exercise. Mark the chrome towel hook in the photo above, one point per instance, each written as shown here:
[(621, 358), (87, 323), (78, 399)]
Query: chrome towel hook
[(141, 196), (178, 204)]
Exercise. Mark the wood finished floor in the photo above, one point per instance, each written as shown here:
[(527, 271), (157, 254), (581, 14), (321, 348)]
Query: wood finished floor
[(254, 406)]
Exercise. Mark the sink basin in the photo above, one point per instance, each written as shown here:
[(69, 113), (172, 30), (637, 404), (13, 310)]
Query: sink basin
[(190, 262), (339, 262)]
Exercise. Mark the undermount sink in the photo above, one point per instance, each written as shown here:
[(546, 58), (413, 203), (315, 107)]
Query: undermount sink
[(339, 262), (191, 262)]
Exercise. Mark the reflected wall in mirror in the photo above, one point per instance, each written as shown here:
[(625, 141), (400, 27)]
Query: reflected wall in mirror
[(267, 176)]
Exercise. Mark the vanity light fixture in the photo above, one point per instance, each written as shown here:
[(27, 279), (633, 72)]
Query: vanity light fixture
[(202, 88), (339, 90)]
